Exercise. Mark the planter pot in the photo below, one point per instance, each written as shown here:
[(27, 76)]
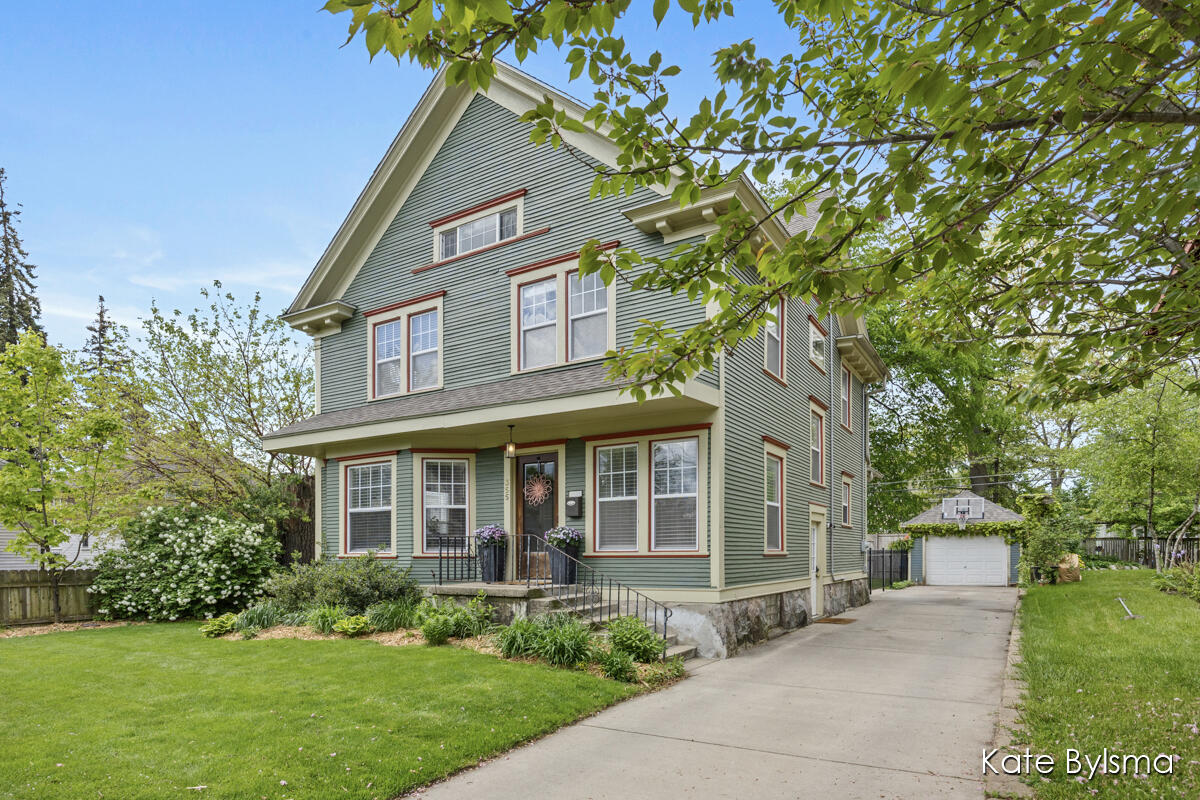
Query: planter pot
[(492, 561), (562, 569)]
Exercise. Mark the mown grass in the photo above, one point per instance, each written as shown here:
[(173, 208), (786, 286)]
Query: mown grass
[(1097, 680), (154, 711)]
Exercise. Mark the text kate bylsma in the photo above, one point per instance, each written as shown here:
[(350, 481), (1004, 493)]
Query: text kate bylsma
[(1105, 763)]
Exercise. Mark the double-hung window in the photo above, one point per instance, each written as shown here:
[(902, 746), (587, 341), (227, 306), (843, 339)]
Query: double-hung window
[(423, 350), (389, 358), (444, 500), (774, 336), (588, 310), (847, 405), (774, 502), (674, 497), (816, 428), (539, 323), (477, 233), (816, 345), (846, 495), (617, 497), (369, 507)]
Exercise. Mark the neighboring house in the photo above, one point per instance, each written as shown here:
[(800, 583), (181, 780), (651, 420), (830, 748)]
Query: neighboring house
[(448, 307), (10, 560), (961, 558)]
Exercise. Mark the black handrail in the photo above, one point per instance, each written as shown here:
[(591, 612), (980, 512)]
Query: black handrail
[(576, 585)]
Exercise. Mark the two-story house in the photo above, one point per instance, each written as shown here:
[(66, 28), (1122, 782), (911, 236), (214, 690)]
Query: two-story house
[(448, 318)]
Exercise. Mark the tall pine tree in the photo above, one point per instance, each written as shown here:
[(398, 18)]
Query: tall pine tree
[(104, 346), (19, 306)]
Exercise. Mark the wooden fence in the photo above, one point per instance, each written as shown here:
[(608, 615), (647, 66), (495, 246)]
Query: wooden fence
[(26, 597), (1140, 550)]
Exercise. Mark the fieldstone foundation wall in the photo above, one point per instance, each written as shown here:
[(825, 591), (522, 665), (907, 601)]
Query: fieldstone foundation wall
[(719, 629), (842, 595)]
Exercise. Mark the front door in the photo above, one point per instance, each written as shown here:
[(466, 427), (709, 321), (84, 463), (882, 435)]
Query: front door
[(537, 512), (817, 559)]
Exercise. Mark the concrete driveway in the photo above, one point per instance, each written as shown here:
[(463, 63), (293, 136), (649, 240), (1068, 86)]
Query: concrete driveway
[(897, 704)]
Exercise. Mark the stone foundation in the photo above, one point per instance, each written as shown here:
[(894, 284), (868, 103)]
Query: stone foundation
[(842, 595), (719, 630), (508, 602)]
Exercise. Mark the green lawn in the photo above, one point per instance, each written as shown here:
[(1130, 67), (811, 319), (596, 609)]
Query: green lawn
[(149, 711), (1097, 681)]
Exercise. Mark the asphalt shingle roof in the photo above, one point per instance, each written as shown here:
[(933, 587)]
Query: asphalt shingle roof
[(991, 513), (538, 386)]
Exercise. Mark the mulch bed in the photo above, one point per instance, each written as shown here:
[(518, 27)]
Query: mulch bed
[(61, 627)]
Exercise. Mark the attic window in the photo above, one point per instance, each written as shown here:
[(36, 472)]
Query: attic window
[(972, 505), (477, 233)]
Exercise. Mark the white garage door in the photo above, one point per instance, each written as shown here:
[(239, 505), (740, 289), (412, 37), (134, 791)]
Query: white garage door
[(966, 561)]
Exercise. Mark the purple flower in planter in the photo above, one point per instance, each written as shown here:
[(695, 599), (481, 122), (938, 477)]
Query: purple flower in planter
[(491, 534), (563, 536)]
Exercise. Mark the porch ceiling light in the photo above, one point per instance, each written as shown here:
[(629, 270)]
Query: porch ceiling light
[(510, 449)]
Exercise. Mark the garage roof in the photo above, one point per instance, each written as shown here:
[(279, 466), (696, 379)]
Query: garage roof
[(991, 513)]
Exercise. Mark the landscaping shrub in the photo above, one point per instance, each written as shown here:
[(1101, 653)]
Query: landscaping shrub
[(1183, 579), (262, 615), (251, 632), (324, 617), (903, 545), (474, 619), (219, 626), (182, 561), (630, 635), (352, 626), (437, 629), (294, 618), (356, 584), (521, 638), (663, 671), (616, 664), (565, 644), (392, 615)]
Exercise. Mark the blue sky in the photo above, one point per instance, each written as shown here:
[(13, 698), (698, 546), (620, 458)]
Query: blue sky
[(156, 146)]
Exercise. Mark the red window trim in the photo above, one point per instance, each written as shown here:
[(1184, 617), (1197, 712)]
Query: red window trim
[(403, 303), (596, 551), (650, 495), (372, 360), (774, 377), (772, 440), (847, 511), (598, 437), (466, 212), (419, 550), (380, 454), (546, 443), (820, 327), (346, 500), (657, 554), (782, 549), (452, 450), (484, 249), (552, 260), (814, 399)]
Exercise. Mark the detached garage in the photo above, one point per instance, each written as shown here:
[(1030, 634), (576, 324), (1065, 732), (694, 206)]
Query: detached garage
[(961, 557)]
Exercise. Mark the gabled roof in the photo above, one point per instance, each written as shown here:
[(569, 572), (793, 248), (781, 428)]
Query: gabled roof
[(418, 141), (991, 513)]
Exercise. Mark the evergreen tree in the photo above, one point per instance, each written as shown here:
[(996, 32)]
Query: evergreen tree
[(19, 306), (104, 347)]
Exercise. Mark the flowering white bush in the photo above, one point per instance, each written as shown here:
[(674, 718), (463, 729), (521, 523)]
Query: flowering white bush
[(182, 562)]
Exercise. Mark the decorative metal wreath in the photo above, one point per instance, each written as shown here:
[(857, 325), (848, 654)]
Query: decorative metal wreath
[(537, 490)]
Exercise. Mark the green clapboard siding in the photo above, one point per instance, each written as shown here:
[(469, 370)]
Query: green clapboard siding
[(757, 405), (488, 154)]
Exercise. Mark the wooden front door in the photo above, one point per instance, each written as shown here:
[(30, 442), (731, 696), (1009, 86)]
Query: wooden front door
[(537, 512)]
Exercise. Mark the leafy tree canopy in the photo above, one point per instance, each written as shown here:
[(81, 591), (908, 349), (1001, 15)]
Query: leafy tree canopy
[(1041, 159)]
